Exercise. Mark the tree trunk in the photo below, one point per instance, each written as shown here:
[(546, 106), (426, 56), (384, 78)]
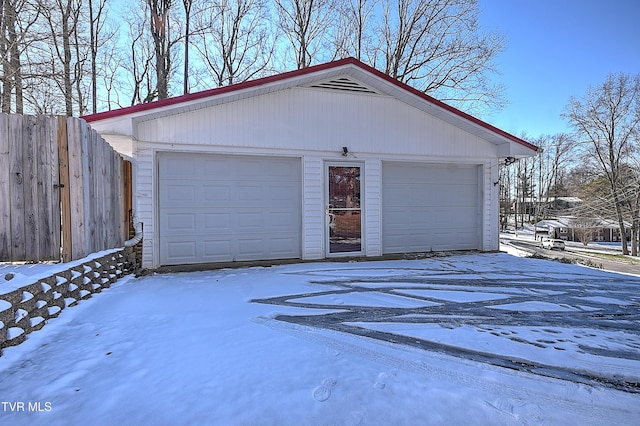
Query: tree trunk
[(7, 28), (66, 48), (94, 54), (187, 22), (635, 230), (623, 233), (160, 31)]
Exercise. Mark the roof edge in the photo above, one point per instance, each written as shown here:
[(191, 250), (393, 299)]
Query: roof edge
[(296, 73)]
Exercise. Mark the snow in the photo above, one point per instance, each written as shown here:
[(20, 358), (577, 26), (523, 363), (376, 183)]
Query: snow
[(374, 343)]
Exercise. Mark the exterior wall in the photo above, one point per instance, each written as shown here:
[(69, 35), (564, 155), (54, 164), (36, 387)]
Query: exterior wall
[(315, 125)]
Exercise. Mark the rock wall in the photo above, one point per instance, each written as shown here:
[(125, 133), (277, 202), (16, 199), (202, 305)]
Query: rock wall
[(28, 308)]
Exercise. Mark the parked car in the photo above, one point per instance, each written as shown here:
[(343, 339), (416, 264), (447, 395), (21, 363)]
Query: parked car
[(551, 243)]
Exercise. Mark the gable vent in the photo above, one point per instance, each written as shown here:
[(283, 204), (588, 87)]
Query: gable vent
[(343, 84)]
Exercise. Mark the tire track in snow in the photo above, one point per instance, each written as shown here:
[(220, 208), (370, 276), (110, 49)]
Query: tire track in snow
[(462, 372)]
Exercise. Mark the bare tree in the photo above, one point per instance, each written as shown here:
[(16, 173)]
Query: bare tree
[(236, 41), (354, 35), (62, 17), (99, 35), (630, 197), (138, 63), (608, 118), (525, 188), (8, 46), (584, 227), (159, 20), (17, 34), (307, 25), (436, 46), (554, 155), (110, 75)]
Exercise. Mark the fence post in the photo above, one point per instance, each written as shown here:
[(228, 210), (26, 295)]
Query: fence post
[(65, 189)]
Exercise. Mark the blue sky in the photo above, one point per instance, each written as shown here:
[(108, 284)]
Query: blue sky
[(557, 49)]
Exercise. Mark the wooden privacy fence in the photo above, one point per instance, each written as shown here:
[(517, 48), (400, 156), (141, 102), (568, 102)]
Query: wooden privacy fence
[(64, 192)]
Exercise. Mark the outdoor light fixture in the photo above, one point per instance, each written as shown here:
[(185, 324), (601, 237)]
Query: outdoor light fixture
[(345, 151), (509, 160)]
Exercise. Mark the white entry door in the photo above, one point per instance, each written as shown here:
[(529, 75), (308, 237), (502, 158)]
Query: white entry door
[(343, 209)]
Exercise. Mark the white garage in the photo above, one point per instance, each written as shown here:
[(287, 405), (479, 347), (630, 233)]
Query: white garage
[(430, 207), (220, 208), (332, 160)]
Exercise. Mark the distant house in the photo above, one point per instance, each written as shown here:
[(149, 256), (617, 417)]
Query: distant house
[(332, 160), (573, 229), (548, 206)]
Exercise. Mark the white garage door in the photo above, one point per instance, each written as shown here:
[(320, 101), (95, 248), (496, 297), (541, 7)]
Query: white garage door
[(430, 207), (218, 208)]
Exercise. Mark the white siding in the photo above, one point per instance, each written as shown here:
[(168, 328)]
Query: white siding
[(491, 207), (143, 198), (318, 120), (372, 207), (313, 208)]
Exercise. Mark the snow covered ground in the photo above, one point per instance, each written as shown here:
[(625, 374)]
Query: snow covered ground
[(465, 339)]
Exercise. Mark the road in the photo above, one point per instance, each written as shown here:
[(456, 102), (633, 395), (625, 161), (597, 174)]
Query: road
[(575, 254)]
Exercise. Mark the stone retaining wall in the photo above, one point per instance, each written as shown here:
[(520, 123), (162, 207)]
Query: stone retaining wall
[(27, 308)]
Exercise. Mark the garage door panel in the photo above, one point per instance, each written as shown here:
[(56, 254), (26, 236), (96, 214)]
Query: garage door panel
[(249, 194), (249, 248), (429, 207), (179, 193), (281, 219), (216, 194), (234, 208), (181, 222), (216, 221), (181, 249)]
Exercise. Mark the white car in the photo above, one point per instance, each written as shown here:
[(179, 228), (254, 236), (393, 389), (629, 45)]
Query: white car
[(551, 243)]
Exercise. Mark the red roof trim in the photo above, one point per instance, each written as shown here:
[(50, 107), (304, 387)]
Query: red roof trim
[(290, 74)]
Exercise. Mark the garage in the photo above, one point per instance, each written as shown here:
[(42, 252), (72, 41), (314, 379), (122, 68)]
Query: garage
[(245, 172), (220, 208), (430, 207)]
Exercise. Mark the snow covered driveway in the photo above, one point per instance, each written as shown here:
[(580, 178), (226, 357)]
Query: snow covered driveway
[(469, 339)]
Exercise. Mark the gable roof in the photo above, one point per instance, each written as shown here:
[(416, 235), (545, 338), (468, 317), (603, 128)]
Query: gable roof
[(347, 74)]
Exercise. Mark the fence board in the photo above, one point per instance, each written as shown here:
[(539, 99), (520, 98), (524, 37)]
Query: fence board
[(5, 196), (127, 195), (88, 182), (98, 190), (61, 190), (30, 158), (16, 186), (110, 222), (76, 188)]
